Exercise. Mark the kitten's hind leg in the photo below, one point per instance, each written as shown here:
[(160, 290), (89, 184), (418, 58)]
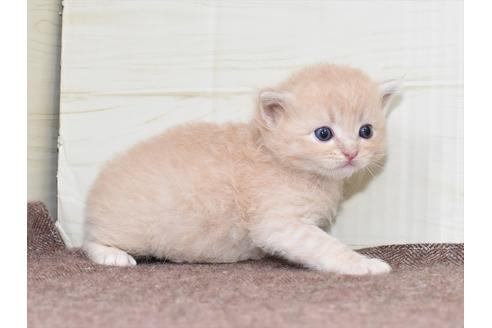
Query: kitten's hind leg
[(107, 255)]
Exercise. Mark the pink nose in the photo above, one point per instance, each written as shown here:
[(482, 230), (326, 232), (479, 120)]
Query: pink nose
[(350, 155)]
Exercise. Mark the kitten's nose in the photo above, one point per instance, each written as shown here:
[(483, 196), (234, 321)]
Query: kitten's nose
[(350, 155)]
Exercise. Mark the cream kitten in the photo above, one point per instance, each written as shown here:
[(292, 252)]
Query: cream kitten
[(204, 192)]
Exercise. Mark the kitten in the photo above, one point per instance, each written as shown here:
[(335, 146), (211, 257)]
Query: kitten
[(204, 192)]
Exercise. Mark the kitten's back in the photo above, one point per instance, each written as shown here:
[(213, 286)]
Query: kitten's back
[(186, 177)]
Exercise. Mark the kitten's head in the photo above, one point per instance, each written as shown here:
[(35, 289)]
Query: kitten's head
[(326, 119)]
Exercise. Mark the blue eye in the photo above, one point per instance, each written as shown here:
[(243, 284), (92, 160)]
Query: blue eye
[(365, 131), (323, 133)]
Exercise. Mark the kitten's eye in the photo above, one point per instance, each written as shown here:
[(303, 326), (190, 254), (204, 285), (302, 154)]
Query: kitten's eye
[(323, 133), (365, 131)]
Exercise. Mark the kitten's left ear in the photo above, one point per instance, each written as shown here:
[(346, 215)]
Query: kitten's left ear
[(272, 106), (388, 90)]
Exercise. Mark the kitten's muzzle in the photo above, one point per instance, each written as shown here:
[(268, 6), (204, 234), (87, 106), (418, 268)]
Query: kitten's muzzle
[(350, 155)]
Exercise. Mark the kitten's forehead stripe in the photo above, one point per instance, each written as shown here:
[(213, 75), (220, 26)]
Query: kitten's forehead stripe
[(331, 115), (361, 116)]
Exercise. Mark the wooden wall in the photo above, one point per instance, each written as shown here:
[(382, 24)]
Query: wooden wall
[(131, 69), (43, 64)]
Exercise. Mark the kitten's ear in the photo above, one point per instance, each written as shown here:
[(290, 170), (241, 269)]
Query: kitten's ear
[(387, 90), (272, 105)]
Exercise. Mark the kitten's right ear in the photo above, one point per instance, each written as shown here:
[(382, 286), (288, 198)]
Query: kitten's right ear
[(388, 90), (272, 105)]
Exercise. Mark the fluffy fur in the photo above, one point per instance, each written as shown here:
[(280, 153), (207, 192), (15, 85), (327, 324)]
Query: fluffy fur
[(204, 192)]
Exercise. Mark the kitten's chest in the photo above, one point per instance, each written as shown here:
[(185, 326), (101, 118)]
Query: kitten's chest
[(323, 208), (318, 202)]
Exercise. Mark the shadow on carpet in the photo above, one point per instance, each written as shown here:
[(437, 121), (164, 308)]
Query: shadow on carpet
[(425, 289)]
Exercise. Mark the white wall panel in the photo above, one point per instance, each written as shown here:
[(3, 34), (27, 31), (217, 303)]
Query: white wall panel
[(131, 69)]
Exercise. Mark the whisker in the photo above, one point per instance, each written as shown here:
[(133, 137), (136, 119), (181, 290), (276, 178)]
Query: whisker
[(378, 165), (368, 169)]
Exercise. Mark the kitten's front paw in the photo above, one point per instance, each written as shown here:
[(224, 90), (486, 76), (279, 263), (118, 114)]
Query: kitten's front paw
[(365, 266)]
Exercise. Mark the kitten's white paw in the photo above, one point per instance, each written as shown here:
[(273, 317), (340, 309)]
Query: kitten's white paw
[(115, 259), (365, 266), (108, 255), (377, 266)]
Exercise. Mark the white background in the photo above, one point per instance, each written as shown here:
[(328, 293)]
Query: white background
[(130, 69)]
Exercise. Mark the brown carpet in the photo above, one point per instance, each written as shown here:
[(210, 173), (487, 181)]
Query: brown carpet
[(66, 290)]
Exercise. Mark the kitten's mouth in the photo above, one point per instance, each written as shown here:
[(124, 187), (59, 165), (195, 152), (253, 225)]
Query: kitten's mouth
[(347, 164), (345, 170)]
